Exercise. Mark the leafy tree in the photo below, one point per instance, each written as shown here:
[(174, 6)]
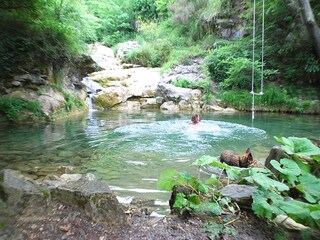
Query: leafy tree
[(116, 20), (145, 10), (39, 32), (311, 24)]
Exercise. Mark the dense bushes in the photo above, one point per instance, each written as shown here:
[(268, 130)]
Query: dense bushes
[(37, 32), (17, 109)]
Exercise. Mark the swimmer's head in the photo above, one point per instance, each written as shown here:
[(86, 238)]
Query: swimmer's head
[(195, 119)]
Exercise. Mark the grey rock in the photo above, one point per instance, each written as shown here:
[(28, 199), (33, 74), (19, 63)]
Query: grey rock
[(242, 194), (94, 198)]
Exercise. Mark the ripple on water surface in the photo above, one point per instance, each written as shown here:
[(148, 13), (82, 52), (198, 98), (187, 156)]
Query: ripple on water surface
[(181, 137), (137, 152)]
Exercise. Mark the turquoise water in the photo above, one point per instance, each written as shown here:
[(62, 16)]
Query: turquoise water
[(130, 149)]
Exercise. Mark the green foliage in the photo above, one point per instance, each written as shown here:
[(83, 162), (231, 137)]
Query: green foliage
[(15, 108), (145, 10), (184, 83), (274, 99), (182, 55), (162, 46), (195, 18), (149, 55), (274, 195), (269, 201), (115, 18), (72, 101), (216, 230), (239, 99), (205, 197), (228, 60), (37, 33), (162, 7), (300, 146)]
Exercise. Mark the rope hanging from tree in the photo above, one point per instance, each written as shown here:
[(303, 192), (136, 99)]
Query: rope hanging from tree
[(253, 53)]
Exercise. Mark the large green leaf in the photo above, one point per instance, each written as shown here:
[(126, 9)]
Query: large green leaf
[(180, 201), (202, 187), (266, 182), (299, 146), (288, 168), (233, 173), (168, 179), (260, 170), (265, 203), (219, 164), (304, 166), (213, 181), (310, 187), (204, 160), (194, 198), (295, 209), (315, 215)]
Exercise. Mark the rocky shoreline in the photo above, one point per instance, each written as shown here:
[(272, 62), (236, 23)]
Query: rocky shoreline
[(79, 207)]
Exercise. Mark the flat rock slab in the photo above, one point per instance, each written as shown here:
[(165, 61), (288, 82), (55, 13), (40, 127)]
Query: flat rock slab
[(242, 194)]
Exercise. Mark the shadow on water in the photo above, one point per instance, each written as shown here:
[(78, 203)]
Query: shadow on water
[(130, 149)]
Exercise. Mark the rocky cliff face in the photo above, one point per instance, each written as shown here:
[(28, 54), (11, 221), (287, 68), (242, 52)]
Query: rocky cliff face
[(57, 88), (127, 86)]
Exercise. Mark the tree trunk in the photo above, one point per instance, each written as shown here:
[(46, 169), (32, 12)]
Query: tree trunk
[(311, 24)]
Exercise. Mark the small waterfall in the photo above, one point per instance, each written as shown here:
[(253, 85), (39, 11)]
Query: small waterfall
[(92, 88)]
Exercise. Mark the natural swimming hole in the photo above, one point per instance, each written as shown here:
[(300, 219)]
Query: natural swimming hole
[(130, 149)]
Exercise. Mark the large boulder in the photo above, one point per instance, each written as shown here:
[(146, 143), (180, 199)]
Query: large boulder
[(172, 93), (83, 193), (118, 86), (193, 72), (103, 56), (20, 192), (94, 198), (112, 96), (186, 98)]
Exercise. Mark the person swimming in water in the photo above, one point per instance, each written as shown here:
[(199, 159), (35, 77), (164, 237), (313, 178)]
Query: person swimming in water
[(195, 119)]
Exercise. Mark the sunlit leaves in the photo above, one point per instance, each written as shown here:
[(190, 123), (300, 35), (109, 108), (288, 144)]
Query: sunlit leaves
[(213, 181), (204, 160), (232, 172), (299, 146), (180, 201), (316, 158), (262, 178), (168, 179), (219, 164)]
